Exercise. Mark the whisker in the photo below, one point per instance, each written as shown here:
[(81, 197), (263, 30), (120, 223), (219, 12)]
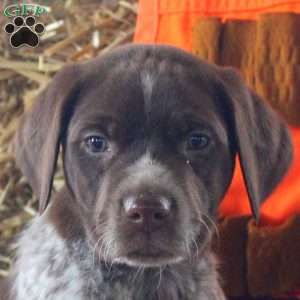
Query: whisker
[(138, 273), (196, 246), (205, 225), (110, 249), (102, 247), (159, 279), (188, 249), (216, 229), (94, 250)]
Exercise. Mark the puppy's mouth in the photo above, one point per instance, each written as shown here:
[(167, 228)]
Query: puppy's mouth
[(156, 253), (147, 252), (152, 257)]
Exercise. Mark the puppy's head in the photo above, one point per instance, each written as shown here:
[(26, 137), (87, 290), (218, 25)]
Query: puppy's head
[(149, 136)]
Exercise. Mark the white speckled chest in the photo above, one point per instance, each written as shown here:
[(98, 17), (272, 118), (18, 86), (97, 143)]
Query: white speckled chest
[(44, 267)]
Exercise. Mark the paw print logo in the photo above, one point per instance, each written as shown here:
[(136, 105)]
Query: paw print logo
[(24, 31)]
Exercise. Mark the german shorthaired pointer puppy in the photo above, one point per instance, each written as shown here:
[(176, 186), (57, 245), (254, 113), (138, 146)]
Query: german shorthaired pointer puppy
[(149, 136)]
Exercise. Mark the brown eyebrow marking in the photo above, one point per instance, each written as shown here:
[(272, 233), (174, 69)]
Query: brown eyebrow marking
[(107, 124)]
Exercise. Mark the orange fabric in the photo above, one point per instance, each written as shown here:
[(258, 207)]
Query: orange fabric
[(171, 22), (283, 202)]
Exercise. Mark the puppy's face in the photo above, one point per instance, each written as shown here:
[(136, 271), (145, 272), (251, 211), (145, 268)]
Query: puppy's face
[(148, 157), (149, 136)]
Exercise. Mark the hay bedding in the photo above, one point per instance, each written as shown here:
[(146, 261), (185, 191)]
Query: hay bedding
[(75, 31)]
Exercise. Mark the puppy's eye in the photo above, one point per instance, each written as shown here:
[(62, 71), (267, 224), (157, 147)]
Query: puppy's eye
[(96, 144), (197, 141)]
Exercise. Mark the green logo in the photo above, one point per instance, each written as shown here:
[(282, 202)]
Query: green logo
[(24, 9)]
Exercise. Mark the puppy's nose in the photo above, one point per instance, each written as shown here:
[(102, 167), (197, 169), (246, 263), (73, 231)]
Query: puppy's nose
[(148, 214)]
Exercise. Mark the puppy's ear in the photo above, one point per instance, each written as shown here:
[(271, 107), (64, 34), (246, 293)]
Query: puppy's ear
[(262, 139), (37, 141)]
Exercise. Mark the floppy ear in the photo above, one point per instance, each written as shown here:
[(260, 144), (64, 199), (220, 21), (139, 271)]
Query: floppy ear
[(36, 143), (262, 139)]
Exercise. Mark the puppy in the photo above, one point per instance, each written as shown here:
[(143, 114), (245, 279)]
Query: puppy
[(149, 136)]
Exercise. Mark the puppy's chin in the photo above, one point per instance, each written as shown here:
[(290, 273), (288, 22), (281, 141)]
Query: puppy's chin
[(149, 251), (152, 256), (140, 259)]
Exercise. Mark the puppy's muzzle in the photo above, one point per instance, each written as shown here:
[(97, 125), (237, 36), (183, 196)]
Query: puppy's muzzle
[(147, 213)]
